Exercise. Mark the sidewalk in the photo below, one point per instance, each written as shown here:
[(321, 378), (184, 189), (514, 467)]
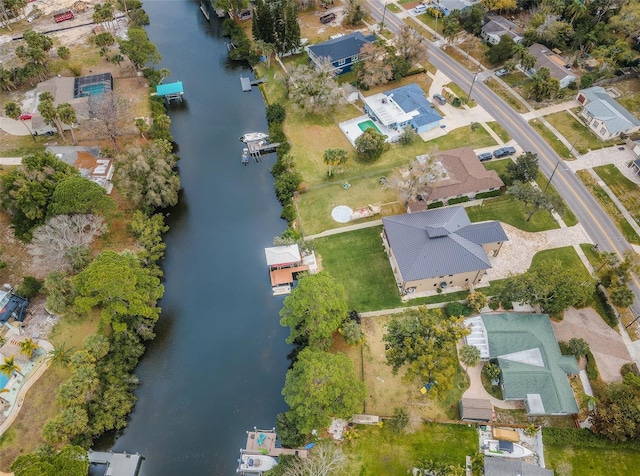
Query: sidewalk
[(15, 128)]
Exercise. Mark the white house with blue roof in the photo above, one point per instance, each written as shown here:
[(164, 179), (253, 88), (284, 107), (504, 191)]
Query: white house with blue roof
[(604, 116), (402, 107), (439, 248), (343, 51)]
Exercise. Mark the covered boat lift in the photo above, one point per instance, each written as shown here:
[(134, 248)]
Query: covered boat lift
[(170, 91)]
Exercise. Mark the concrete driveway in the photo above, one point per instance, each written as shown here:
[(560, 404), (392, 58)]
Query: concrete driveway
[(617, 155), (15, 128), (606, 344)]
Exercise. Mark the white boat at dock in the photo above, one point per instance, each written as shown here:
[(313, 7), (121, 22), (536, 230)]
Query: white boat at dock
[(253, 137), (255, 464), (505, 449)]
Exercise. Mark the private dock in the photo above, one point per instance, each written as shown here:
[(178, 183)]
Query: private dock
[(247, 83), (204, 11), (114, 464), (256, 148), (170, 91), (266, 442)]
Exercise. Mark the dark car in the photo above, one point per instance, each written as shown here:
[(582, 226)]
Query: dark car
[(504, 152), (485, 156), (439, 98), (327, 18)]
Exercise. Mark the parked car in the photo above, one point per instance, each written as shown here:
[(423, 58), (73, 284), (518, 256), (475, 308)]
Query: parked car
[(420, 9), (485, 156), (501, 72), (25, 116), (327, 18), (439, 98), (504, 152)]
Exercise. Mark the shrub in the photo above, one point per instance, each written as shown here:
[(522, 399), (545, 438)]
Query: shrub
[(592, 368), (399, 420), (582, 438), (64, 53), (454, 309), (629, 367), (457, 102), (491, 371), (453, 201), (492, 193), (435, 205), (288, 212), (30, 287), (286, 184), (610, 314), (352, 333), (408, 136), (275, 114)]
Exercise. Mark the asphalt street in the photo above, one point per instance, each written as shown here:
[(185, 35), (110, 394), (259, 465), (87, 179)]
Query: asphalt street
[(593, 218)]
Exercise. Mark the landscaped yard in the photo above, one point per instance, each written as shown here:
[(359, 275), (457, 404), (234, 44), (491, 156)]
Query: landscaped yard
[(357, 260), (378, 451), (509, 210), (605, 201), (575, 132), (624, 189), (565, 212)]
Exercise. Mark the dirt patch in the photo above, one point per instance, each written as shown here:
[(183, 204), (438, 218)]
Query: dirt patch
[(605, 343), (311, 28)]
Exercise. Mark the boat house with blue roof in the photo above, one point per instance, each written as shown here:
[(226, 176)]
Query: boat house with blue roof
[(170, 91), (402, 107), (343, 51)]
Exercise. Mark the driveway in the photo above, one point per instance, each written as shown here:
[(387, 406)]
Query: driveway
[(15, 128), (516, 254), (606, 344), (617, 155)]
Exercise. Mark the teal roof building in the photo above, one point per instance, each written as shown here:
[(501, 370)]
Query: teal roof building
[(533, 369)]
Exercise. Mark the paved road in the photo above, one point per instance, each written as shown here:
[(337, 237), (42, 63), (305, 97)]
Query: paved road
[(593, 218)]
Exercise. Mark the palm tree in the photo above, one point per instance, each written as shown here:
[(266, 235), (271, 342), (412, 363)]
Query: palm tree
[(67, 115), (28, 347), (60, 354), (8, 367), (12, 110), (469, 355)]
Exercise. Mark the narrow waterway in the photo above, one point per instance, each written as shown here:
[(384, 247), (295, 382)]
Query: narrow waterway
[(217, 365)]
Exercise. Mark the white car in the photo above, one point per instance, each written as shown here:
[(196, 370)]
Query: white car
[(501, 72), (419, 9)]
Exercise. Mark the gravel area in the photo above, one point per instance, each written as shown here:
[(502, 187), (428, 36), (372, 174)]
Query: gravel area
[(606, 344)]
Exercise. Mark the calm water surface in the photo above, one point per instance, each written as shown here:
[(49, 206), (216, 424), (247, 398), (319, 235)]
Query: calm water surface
[(218, 363)]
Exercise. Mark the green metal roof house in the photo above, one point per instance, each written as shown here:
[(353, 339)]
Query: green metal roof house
[(533, 369)]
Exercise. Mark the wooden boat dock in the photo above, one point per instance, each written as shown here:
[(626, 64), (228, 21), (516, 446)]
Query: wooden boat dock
[(257, 148), (115, 464), (264, 442), (247, 83)]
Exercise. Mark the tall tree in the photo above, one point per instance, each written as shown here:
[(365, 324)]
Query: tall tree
[(326, 458), (313, 89), (414, 182), (617, 414), (543, 85), (525, 168), (61, 354), (314, 311), (425, 341), (334, 158), (147, 175), (321, 386), (12, 110), (534, 199), (501, 51), (78, 195), (49, 112), (370, 145), (375, 67), (139, 49), (70, 461), (67, 115), (469, 355), (108, 113)]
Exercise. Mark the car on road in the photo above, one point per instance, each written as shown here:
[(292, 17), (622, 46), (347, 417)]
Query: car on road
[(420, 9), (439, 98), (25, 116), (504, 152), (485, 156), (501, 72)]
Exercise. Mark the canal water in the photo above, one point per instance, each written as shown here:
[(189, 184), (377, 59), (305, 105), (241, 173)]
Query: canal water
[(217, 365)]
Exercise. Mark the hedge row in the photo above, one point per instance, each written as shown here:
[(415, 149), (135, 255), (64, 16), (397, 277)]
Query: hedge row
[(584, 438)]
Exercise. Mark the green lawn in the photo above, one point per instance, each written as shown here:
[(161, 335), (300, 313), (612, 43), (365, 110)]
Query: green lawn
[(457, 90), (575, 132), (565, 212), (566, 255), (357, 260), (511, 211), (506, 96), (551, 139), (515, 78), (605, 201), (378, 451), (498, 129), (624, 189)]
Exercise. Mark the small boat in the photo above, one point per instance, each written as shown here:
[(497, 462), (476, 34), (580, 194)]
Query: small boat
[(255, 464), (253, 136), (245, 156), (505, 449)]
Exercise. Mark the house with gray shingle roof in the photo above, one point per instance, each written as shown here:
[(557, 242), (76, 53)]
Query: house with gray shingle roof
[(549, 59), (343, 51), (494, 466), (402, 107), (497, 26), (532, 368), (604, 116), (439, 248)]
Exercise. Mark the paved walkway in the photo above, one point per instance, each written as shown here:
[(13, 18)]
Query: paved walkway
[(545, 111), (15, 128), (617, 155), (10, 160), (476, 390)]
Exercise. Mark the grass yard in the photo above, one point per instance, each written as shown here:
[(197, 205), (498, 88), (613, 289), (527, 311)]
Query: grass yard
[(506, 96), (575, 132), (605, 201), (624, 189), (515, 78), (357, 260), (565, 212), (576, 461), (386, 391), (551, 139), (509, 210), (457, 90), (500, 131), (378, 451), (566, 255), (19, 146)]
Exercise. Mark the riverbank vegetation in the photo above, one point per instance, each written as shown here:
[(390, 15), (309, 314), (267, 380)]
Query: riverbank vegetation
[(104, 251)]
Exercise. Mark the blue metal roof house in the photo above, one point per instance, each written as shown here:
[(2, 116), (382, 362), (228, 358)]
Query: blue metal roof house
[(401, 107), (343, 51)]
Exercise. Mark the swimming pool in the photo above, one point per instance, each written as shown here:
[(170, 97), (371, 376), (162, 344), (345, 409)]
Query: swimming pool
[(367, 124), (3, 380), (93, 89)]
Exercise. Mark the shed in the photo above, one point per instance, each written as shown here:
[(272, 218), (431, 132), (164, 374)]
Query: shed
[(282, 256), (476, 409)]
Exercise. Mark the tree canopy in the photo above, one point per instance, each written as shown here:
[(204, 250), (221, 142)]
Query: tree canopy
[(314, 310), (139, 49), (77, 194), (27, 190), (534, 199), (525, 167), (617, 412), (46, 461), (321, 386), (370, 145), (425, 341)]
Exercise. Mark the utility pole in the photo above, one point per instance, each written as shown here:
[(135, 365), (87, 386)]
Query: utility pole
[(552, 174), (471, 88), (384, 14)]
